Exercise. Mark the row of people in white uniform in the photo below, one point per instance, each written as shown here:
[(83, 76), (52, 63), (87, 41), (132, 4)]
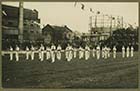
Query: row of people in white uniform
[(71, 52)]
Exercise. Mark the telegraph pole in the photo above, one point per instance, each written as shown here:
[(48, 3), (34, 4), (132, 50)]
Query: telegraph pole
[(95, 21), (103, 22), (122, 21), (111, 25), (20, 35), (90, 24)]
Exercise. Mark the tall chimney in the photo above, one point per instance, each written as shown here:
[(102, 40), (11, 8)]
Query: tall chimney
[(20, 36)]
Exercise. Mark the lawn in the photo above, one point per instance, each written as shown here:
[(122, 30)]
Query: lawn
[(93, 73)]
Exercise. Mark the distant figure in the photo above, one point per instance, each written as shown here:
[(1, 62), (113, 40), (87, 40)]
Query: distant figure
[(48, 55), (66, 52), (127, 51), (32, 52), (11, 53), (105, 52), (39, 53), (27, 53), (74, 52), (87, 52), (123, 51), (81, 52), (59, 52), (98, 52), (132, 51), (108, 51), (69, 53), (114, 51), (17, 53), (53, 48), (42, 52), (93, 52)]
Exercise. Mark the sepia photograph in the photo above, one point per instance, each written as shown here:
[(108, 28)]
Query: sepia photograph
[(86, 45)]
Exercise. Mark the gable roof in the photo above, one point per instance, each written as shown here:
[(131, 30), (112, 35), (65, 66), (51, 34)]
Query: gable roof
[(57, 28)]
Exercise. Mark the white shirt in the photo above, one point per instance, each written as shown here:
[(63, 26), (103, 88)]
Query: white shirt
[(59, 48), (132, 49), (32, 48), (98, 48), (17, 48), (114, 49), (127, 49), (27, 49), (87, 48), (123, 49), (53, 47), (11, 49)]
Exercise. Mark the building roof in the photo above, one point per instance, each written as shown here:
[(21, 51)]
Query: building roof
[(61, 28), (57, 28), (13, 12)]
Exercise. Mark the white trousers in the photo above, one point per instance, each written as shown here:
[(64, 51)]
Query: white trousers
[(114, 54), (105, 55), (66, 54), (74, 54), (108, 54), (11, 56), (93, 54), (48, 55), (87, 55), (81, 54), (69, 56), (58, 55), (132, 53), (27, 55), (127, 54), (123, 54), (42, 55), (32, 55), (39, 54), (98, 54), (17, 56), (53, 56)]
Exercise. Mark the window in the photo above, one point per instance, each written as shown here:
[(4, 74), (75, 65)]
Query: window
[(10, 23)]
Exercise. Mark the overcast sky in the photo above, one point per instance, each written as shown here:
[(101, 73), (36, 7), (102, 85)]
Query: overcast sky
[(64, 13)]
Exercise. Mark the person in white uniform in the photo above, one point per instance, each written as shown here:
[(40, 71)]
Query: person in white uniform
[(74, 52), (32, 52), (39, 53), (114, 51), (105, 52), (17, 53), (132, 51), (93, 52), (98, 52), (11, 53), (59, 52), (69, 53), (53, 48), (123, 51), (42, 52), (87, 52), (81, 52), (108, 52), (127, 51), (27, 53), (48, 55)]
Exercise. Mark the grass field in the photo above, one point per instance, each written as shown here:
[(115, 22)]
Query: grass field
[(93, 73)]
